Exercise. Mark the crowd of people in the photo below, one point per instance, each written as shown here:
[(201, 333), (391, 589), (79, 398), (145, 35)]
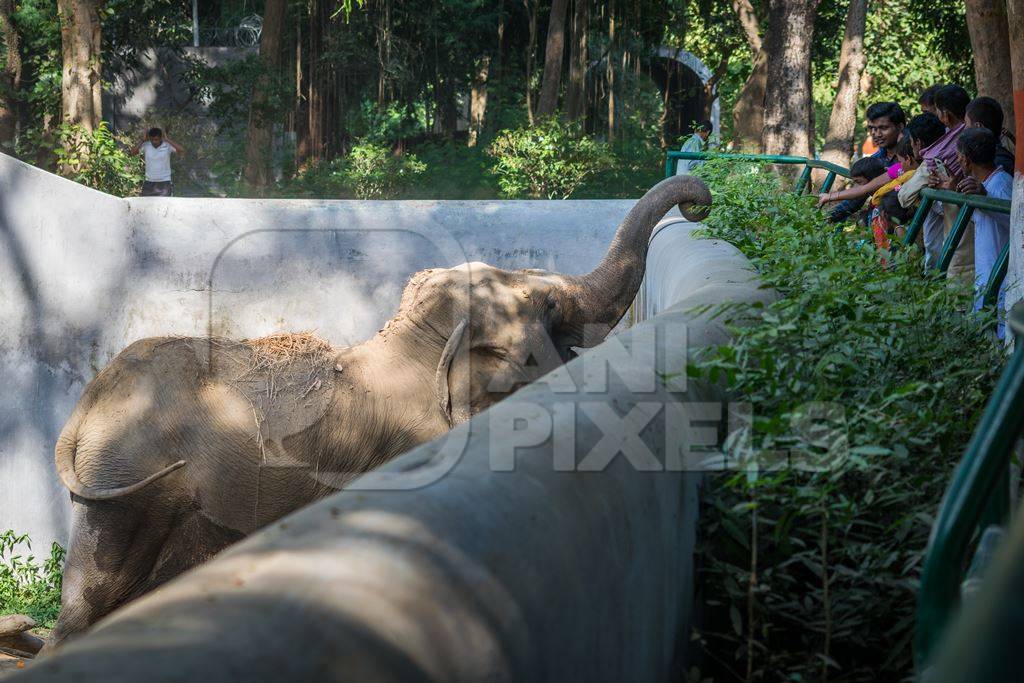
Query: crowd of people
[(955, 143)]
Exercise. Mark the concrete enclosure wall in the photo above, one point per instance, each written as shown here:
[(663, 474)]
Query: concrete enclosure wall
[(83, 274), (556, 545)]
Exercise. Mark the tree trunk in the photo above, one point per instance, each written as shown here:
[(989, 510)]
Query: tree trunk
[(990, 44), (711, 87), (10, 77), (748, 110), (788, 95), (447, 107), (610, 73), (317, 86), (478, 100), (531, 55), (842, 124), (260, 136), (576, 95), (1015, 276), (553, 57), (81, 51)]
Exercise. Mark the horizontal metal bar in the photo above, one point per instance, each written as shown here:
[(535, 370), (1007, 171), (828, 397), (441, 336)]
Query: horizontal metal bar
[(975, 201), (670, 158)]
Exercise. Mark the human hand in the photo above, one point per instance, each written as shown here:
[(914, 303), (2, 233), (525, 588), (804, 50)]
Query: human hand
[(970, 185), (937, 183), (824, 198)]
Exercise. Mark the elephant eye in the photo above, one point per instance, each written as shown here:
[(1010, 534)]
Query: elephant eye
[(491, 351)]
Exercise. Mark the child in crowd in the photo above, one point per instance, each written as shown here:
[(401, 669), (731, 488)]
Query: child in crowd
[(976, 149), (867, 175), (887, 213), (927, 99), (985, 112), (925, 130)]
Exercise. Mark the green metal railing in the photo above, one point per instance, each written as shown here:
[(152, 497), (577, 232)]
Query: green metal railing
[(833, 170), (967, 203), (977, 498)]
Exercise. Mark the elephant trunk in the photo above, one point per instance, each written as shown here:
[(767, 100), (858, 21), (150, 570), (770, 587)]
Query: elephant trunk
[(604, 295)]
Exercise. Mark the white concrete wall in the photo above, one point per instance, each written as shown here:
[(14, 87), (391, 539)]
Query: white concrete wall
[(82, 274)]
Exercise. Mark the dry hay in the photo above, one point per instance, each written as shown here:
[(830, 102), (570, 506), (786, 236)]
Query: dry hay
[(283, 347)]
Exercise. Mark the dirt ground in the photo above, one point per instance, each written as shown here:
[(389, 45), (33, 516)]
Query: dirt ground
[(9, 664)]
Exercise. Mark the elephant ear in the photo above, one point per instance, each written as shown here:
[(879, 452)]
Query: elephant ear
[(454, 415)]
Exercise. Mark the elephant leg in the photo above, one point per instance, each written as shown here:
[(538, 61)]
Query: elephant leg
[(111, 555)]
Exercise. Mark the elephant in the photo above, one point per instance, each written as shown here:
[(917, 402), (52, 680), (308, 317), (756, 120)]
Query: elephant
[(181, 446)]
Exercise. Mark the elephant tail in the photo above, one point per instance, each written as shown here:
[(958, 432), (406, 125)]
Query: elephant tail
[(67, 447)]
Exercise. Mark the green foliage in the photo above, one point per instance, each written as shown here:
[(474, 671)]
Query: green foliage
[(454, 171), (99, 160), (373, 172), (910, 45), (369, 171), (551, 160), (27, 586), (812, 573)]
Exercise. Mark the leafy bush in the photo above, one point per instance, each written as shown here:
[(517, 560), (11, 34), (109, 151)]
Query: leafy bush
[(373, 172), (27, 587), (99, 160), (550, 160), (812, 575), (454, 171), (368, 171)]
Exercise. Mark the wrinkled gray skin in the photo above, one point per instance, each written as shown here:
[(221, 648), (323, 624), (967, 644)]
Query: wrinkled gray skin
[(180, 446)]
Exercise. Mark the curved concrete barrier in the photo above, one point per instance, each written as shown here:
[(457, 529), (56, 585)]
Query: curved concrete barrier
[(558, 546)]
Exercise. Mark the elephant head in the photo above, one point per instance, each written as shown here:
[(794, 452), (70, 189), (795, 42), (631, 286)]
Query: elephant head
[(498, 329)]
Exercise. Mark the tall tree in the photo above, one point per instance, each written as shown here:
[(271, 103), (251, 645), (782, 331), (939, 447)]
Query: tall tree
[(81, 34), (842, 124), (478, 99), (990, 45), (531, 54), (748, 110), (609, 72), (575, 94), (318, 86), (10, 77), (259, 140), (553, 56), (788, 103)]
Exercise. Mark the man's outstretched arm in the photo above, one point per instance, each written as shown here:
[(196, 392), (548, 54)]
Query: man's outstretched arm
[(174, 145)]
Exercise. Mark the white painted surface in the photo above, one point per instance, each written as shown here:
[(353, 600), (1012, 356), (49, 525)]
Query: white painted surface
[(83, 274)]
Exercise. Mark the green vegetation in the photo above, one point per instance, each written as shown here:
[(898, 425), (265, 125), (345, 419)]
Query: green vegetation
[(27, 586), (811, 575), (548, 161), (99, 160), (355, 78)]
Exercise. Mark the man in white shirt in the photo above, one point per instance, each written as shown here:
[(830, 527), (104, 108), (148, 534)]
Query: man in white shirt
[(976, 153), (698, 142), (158, 150)]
